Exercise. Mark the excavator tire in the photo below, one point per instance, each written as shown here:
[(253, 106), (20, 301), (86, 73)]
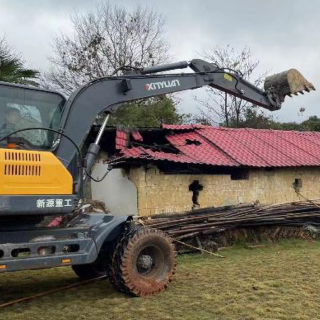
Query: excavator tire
[(143, 262)]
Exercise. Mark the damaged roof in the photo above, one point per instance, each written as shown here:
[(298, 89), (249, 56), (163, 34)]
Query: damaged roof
[(219, 147)]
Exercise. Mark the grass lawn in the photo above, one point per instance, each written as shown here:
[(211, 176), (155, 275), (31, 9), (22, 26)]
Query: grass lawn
[(278, 281)]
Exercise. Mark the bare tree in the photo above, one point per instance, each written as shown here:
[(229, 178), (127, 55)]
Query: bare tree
[(220, 107), (105, 42)]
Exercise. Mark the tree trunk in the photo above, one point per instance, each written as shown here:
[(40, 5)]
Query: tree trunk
[(226, 109)]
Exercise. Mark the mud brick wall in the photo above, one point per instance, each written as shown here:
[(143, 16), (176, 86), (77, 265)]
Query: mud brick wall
[(162, 193)]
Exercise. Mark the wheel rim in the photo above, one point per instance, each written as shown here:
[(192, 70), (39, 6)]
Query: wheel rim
[(152, 263)]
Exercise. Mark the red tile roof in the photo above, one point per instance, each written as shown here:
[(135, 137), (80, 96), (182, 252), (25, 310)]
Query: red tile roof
[(122, 139), (226, 147), (199, 149)]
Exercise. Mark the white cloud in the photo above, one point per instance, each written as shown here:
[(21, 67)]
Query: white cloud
[(282, 34)]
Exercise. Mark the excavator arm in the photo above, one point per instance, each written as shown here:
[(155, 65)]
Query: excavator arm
[(106, 95), (109, 93)]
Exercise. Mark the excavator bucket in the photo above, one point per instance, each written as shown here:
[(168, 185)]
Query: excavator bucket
[(287, 83)]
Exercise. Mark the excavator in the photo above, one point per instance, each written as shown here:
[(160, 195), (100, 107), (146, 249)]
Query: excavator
[(46, 157)]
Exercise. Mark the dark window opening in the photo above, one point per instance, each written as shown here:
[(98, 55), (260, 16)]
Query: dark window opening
[(1, 254), (240, 175), (193, 142), (195, 187), (297, 185)]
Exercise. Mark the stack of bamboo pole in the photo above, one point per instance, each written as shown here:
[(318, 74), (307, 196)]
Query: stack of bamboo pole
[(215, 220)]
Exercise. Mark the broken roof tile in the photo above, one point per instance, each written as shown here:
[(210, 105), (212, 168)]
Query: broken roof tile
[(137, 136), (122, 139), (216, 146)]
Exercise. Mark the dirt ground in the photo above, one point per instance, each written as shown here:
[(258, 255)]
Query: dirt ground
[(277, 281)]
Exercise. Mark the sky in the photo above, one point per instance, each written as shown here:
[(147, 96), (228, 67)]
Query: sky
[(281, 34)]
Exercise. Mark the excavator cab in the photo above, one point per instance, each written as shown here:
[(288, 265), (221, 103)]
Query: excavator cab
[(26, 108), (32, 178)]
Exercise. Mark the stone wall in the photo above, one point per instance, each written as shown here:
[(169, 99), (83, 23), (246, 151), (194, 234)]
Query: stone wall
[(160, 193)]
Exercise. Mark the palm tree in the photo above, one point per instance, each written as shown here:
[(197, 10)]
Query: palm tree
[(12, 67)]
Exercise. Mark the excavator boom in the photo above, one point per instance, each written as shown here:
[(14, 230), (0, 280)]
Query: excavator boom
[(109, 93)]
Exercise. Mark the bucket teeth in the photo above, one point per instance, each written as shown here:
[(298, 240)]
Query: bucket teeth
[(288, 83)]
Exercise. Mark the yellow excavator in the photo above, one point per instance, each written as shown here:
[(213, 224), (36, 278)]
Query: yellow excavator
[(45, 159)]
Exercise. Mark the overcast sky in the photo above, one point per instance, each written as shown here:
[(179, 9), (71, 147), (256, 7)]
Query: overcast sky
[(282, 34)]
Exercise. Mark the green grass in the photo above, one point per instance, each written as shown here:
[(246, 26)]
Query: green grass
[(279, 281)]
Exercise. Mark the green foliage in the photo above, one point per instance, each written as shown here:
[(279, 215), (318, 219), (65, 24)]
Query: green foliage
[(12, 67), (149, 113), (287, 126), (252, 118), (311, 124)]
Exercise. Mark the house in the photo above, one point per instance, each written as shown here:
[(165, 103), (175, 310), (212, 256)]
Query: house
[(177, 168)]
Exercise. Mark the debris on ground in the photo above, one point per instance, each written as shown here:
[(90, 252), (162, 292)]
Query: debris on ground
[(93, 206)]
